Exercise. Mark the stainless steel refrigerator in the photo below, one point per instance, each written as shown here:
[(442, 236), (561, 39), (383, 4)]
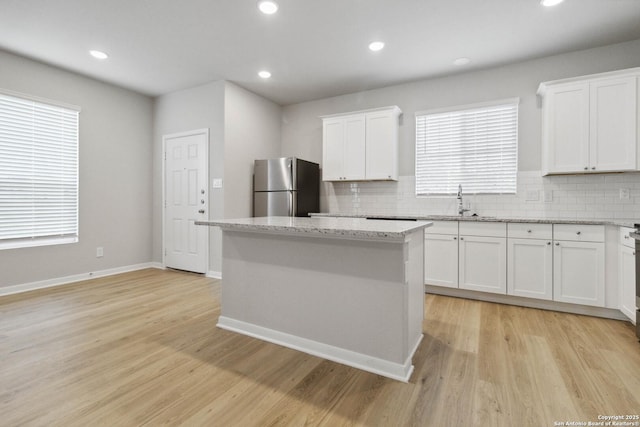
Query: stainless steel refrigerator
[(287, 186)]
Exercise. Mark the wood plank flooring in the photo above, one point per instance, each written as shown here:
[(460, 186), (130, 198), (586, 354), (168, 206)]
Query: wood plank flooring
[(142, 349)]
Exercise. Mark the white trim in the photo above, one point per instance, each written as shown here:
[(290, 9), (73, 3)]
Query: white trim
[(607, 313), (505, 101), (41, 100), (367, 363), (542, 88), (50, 283), (214, 274), (395, 108), (38, 241)]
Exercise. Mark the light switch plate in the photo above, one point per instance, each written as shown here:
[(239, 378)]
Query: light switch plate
[(217, 183)]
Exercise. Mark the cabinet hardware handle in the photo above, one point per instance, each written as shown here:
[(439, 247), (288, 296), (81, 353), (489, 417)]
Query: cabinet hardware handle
[(462, 238), (201, 211), (528, 231), (586, 168), (593, 168), (578, 233), (548, 243), (557, 244), (455, 238)]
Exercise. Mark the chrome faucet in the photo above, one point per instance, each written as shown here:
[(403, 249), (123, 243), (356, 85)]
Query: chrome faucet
[(461, 209)]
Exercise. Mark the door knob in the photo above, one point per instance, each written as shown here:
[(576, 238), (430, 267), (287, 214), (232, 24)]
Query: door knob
[(201, 211)]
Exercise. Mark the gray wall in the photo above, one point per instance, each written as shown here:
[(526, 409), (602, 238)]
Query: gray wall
[(199, 107), (302, 129), (252, 131), (115, 174), (242, 127)]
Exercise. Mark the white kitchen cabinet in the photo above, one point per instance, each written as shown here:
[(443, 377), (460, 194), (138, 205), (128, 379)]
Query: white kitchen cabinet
[(361, 145), (344, 149), (382, 145), (590, 123), (578, 264), (441, 259), (482, 257), (530, 261), (627, 274)]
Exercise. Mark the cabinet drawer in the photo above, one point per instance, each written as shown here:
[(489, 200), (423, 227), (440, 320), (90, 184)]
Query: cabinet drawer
[(578, 233), (442, 227), (624, 237), (519, 230), (488, 229)]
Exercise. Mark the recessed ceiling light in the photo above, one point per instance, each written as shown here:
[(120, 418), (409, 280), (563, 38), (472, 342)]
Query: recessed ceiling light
[(98, 54), (461, 61), (376, 46), (268, 7), (549, 3), (264, 74)]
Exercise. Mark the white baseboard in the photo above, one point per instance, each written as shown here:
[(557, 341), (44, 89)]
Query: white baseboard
[(386, 368), (49, 283), (214, 274)]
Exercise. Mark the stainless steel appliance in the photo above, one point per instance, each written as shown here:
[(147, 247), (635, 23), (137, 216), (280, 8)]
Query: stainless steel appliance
[(286, 186)]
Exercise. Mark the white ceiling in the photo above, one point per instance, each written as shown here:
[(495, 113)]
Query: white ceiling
[(314, 48)]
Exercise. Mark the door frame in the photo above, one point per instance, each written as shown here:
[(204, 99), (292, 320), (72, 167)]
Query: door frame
[(203, 131)]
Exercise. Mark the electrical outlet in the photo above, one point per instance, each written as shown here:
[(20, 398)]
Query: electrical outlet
[(99, 252), (217, 183), (624, 194)]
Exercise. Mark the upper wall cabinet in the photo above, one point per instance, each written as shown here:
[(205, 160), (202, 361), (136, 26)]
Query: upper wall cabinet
[(361, 145), (590, 124)]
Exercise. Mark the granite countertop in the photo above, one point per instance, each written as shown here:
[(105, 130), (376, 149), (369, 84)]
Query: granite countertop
[(622, 222), (329, 226)]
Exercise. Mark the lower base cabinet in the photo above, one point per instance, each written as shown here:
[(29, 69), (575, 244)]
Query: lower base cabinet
[(483, 264), (627, 272), (530, 268), (441, 260), (579, 272)]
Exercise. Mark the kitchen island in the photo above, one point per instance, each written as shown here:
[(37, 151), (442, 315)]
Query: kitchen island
[(346, 289)]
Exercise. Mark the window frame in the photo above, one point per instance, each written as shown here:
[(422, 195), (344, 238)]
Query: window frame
[(451, 188), (51, 239)]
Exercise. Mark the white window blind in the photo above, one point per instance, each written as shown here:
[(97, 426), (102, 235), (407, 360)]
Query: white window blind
[(475, 146), (38, 171)]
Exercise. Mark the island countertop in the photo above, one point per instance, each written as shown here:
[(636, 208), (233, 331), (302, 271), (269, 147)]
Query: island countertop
[(350, 228)]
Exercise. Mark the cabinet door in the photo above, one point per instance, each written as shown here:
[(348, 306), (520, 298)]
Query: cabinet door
[(578, 272), (530, 268), (566, 129), (627, 277), (613, 116), (441, 260), (482, 264), (382, 145), (354, 147), (333, 133)]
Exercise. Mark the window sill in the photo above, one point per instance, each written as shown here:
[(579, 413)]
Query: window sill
[(30, 243)]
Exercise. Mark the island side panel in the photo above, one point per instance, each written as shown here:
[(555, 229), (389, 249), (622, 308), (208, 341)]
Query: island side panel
[(345, 293), (414, 273)]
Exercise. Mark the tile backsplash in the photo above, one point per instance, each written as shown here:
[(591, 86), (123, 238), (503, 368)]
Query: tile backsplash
[(601, 196)]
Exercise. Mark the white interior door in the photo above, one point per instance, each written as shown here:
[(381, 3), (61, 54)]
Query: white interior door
[(186, 199)]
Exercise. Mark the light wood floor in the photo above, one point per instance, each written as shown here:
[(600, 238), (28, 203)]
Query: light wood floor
[(142, 349)]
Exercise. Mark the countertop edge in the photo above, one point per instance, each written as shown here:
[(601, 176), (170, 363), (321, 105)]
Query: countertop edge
[(615, 222), (335, 232)]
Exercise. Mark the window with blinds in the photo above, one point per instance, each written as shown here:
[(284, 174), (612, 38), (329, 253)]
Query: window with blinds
[(475, 146), (38, 171)]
